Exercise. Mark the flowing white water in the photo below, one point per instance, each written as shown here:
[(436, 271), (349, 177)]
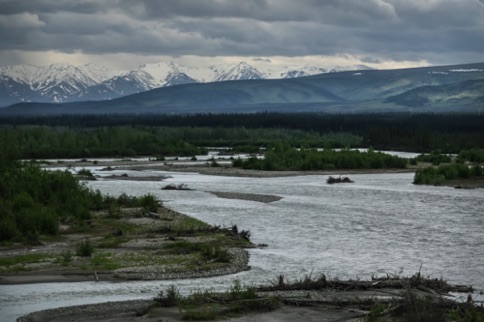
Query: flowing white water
[(379, 224)]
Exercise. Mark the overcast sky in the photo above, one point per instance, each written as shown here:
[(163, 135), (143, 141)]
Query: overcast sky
[(126, 33)]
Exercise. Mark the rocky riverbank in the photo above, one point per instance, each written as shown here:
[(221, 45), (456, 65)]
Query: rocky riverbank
[(134, 245), (385, 299)]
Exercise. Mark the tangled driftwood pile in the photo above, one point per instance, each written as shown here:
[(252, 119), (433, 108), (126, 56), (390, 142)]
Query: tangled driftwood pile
[(339, 179)]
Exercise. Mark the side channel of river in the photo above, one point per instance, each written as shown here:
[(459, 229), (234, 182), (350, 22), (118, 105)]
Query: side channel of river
[(379, 224)]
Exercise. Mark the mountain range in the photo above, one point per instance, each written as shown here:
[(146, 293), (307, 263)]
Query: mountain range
[(457, 88), (61, 83)]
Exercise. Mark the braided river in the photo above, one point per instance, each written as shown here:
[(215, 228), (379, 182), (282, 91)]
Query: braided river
[(380, 224)]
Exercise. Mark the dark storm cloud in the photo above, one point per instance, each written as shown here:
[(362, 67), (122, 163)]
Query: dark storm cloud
[(9, 7), (382, 29)]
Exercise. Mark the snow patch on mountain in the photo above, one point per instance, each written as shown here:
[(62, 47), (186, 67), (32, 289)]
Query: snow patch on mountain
[(241, 71), (67, 83)]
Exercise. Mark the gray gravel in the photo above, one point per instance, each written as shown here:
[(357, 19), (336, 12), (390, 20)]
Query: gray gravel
[(240, 261), (246, 196)]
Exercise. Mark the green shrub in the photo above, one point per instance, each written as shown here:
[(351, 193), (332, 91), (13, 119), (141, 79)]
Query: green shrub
[(184, 247), (239, 292), (114, 212), (207, 252), (428, 176), (84, 248), (85, 173), (435, 158), (149, 203), (103, 261), (96, 200), (66, 257), (442, 173), (32, 237), (477, 170), (237, 163), (49, 222), (422, 309), (375, 312), (284, 157), (170, 297), (246, 149), (22, 202), (474, 155), (215, 254), (8, 229), (466, 312)]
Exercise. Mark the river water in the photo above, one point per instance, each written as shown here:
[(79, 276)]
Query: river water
[(380, 224)]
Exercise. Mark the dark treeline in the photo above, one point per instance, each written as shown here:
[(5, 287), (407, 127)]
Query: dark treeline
[(44, 142), (318, 122), (448, 133)]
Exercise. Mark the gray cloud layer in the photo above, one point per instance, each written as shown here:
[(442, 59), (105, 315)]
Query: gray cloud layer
[(440, 31)]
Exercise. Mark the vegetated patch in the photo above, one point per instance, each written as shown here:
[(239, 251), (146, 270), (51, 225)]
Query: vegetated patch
[(209, 305), (449, 173), (388, 298), (284, 157), (139, 245), (435, 157), (246, 196), (86, 174)]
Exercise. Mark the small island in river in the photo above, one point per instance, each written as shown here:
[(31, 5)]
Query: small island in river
[(131, 244)]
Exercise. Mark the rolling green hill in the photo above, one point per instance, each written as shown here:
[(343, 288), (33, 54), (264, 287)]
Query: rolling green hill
[(435, 89), (467, 93)]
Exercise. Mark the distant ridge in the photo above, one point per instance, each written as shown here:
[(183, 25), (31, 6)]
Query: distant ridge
[(61, 83), (457, 88)]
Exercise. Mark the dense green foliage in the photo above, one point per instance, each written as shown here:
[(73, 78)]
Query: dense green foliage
[(435, 176), (284, 157), (474, 155), (449, 133), (42, 142), (84, 248), (434, 157), (34, 201)]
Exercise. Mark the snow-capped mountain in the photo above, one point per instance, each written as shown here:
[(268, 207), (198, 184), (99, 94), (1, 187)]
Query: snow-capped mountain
[(53, 83), (67, 83), (240, 71), (97, 72)]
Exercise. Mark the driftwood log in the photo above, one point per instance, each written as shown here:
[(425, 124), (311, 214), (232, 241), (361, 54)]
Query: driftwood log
[(339, 179)]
